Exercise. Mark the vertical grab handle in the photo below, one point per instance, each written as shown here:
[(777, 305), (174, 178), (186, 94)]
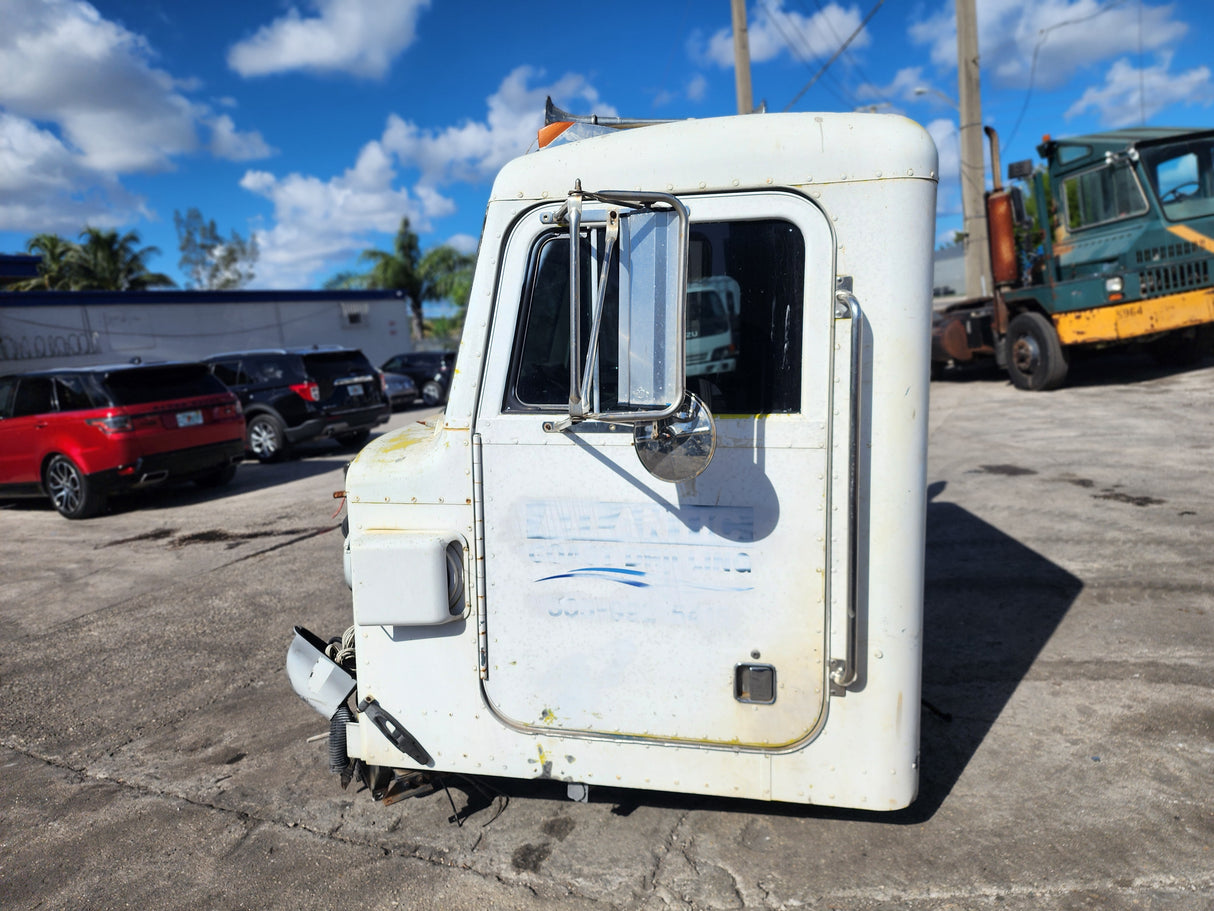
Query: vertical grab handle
[(843, 671)]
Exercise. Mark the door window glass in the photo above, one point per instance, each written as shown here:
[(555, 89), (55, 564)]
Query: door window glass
[(72, 393), (33, 396), (745, 299)]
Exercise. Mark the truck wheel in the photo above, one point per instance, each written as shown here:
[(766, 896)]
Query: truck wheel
[(266, 439), (1035, 357), (70, 490)]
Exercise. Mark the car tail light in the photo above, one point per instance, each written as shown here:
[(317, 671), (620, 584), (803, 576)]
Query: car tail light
[(383, 383), (308, 391), (114, 423)]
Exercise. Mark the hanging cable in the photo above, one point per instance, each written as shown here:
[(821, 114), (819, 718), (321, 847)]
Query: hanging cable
[(834, 56)]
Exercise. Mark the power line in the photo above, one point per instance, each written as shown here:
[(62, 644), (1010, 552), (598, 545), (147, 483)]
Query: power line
[(835, 55), (804, 53), (1043, 34)]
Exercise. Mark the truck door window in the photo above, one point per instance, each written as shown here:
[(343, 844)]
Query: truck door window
[(745, 299), (1101, 195)]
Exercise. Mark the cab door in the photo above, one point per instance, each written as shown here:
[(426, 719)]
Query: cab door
[(617, 604)]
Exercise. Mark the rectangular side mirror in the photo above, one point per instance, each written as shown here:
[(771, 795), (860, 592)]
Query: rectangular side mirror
[(648, 235), (652, 291)]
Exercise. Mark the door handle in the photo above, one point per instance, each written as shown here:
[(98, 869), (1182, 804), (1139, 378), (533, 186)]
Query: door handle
[(844, 671)]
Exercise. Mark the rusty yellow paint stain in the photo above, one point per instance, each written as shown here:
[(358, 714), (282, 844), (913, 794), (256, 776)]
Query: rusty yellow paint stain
[(406, 437), (548, 716), (1126, 321), (1193, 237)]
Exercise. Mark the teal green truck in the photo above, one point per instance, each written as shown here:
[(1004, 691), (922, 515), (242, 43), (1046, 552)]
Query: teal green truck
[(1108, 243)]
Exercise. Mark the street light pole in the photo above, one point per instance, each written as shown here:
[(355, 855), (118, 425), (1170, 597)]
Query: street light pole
[(973, 167)]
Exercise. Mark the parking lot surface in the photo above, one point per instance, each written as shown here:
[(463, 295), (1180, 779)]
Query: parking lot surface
[(153, 754)]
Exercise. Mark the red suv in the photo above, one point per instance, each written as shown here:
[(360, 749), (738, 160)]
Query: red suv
[(80, 435)]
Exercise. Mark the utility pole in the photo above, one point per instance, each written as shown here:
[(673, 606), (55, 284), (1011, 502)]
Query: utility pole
[(973, 167), (741, 57)]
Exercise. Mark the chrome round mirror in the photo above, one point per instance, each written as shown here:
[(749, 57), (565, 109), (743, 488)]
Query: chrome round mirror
[(679, 447)]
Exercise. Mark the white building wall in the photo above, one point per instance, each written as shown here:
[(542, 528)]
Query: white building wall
[(79, 329)]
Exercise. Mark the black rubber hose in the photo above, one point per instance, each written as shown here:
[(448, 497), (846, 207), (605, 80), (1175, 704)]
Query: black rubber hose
[(338, 760)]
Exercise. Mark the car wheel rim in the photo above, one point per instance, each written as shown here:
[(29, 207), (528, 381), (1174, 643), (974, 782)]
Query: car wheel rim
[(262, 439), (64, 486)]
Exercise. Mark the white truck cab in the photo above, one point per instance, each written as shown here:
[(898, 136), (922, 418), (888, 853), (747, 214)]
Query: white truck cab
[(604, 565)]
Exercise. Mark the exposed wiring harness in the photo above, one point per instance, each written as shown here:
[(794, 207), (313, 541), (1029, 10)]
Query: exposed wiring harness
[(341, 650)]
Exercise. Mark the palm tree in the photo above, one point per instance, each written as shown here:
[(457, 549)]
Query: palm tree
[(442, 274), (107, 262), (447, 275), (54, 272), (399, 270)]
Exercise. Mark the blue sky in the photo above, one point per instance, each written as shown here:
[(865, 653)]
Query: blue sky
[(317, 125)]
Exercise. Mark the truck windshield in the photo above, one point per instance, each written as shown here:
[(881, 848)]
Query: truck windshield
[(1182, 176)]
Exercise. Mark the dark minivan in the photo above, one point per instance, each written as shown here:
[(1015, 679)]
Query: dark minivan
[(291, 395), (80, 435)]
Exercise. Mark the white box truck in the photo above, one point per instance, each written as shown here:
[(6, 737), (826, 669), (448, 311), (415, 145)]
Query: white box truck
[(603, 567)]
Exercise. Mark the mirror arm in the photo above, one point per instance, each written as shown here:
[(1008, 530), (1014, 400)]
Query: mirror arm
[(592, 354), (573, 211)]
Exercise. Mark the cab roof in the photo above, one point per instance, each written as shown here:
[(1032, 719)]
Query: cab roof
[(1081, 151), (727, 153)]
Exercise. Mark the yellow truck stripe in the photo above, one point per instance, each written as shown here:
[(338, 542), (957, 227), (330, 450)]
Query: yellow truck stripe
[(1125, 321), (1193, 237)]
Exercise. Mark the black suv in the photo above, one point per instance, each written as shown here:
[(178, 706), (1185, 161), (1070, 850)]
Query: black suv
[(430, 370), (291, 395)]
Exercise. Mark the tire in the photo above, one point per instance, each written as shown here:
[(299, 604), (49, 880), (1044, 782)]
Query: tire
[(354, 439), (1035, 358), (217, 478), (265, 438), (433, 393), (70, 489)]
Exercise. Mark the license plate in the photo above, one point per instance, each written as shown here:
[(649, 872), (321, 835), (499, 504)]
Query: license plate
[(356, 389), (189, 418)]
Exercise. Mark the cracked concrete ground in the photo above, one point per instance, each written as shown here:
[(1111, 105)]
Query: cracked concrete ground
[(154, 756)]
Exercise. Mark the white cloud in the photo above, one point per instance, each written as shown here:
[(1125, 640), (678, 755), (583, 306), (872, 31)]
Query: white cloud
[(903, 86), (360, 37), (45, 187), (948, 147), (93, 79), (81, 106), (474, 150), (774, 30), (697, 88), (320, 224), (227, 142), (1065, 36), (1131, 95), (464, 243)]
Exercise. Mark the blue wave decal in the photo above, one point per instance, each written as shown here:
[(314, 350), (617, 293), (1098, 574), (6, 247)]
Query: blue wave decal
[(614, 574), (607, 573)]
